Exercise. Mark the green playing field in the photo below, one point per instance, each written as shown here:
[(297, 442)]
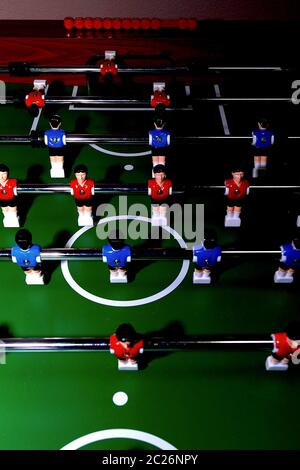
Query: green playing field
[(190, 400)]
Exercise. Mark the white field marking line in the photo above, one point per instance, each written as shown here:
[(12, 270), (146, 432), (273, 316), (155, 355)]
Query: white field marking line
[(222, 111), (124, 303), (187, 90), (119, 154), (119, 434), (36, 119), (74, 93)]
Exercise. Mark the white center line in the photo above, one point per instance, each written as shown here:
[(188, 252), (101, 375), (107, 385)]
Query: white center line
[(74, 93), (222, 111)]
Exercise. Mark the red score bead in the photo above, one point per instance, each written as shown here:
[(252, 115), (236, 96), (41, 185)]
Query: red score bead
[(182, 23), (155, 23), (116, 23), (136, 23), (88, 23), (145, 23), (126, 24), (97, 22), (79, 23), (192, 24), (69, 23), (106, 23)]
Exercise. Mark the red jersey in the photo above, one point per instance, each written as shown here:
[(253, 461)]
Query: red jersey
[(7, 190), (160, 97), (281, 346), (121, 351), (157, 192), (35, 97), (108, 66), (83, 191), (237, 191)]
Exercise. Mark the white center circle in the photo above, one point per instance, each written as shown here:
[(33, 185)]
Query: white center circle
[(120, 398), (119, 434), (124, 303)]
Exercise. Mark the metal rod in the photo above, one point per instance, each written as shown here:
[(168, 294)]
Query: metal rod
[(60, 344), (271, 69), (109, 188), (96, 69), (108, 139), (82, 100), (94, 100), (35, 69), (105, 188), (243, 99), (153, 254)]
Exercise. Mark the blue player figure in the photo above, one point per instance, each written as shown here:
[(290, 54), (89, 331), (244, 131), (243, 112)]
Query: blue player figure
[(159, 140), (117, 255), (28, 257), (55, 139), (289, 262), (262, 140), (205, 256)]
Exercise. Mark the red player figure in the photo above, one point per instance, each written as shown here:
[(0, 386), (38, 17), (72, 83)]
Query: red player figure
[(35, 100), (159, 99), (236, 190), (8, 200), (286, 349), (108, 66), (83, 190), (126, 345), (160, 189)]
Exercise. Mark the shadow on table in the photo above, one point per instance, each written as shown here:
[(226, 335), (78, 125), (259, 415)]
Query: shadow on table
[(49, 267), (171, 331)]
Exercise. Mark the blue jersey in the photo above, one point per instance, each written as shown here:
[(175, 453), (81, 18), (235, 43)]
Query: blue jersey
[(116, 258), (292, 255), (262, 138), (26, 258), (159, 138), (206, 258), (55, 138)]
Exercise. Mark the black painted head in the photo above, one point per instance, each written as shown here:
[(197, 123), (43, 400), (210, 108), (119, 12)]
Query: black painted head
[(80, 169), (116, 239), (23, 238), (126, 332), (55, 121), (4, 168)]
